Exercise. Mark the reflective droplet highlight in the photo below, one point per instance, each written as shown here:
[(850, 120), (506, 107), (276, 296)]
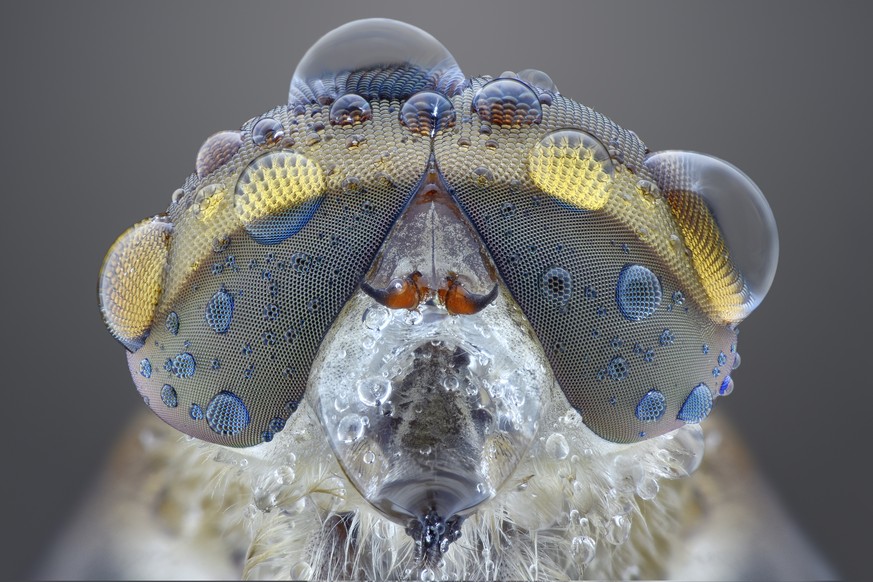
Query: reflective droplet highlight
[(226, 414), (277, 194), (697, 405), (573, 167), (508, 103), (427, 113), (216, 151), (350, 109), (638, 292)]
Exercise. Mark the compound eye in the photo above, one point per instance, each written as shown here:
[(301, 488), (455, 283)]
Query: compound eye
[(727, 225)]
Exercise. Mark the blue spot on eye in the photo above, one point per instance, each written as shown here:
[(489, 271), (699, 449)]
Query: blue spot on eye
[(274, 229), (617, 368), (168, 396), (173, 323), (667, 338), (196, 412), (145, 368), (219, 311), (727, 386), (722, 359), (705, 349), (184, 365), (651, 407), (277, 424), (697, 406), (266, 436), (227, 414), (638, 292)]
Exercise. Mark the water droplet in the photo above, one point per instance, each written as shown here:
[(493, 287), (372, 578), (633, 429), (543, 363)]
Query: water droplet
[(355, 140), (573, 167), (216, 151), (678, 297), (376, 58), (427, 113), (301, 571), (195, 412), (267, 131), (584, 548), (617, 368), (350, 109), (618, 529), (557, 447), (705, 349), (350, 428), (369, 458), (277, 195), (427, 575), (666, 338), (483, 176), (219, 311), (507, 102), (727, 386), (168, 396), (736, 363), (374, 391), (638, 292), (177, 195), (226, 413), (450, 383), (183, 365), (651, 407), (538, 80), (722, 359), (647, 488), (557, 285), (697, 405), (145, 368), (726, 222), (376, 318)]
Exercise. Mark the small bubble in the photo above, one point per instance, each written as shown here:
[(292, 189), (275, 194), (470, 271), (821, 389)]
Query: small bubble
[(667, 338), (196, 413), (350, 428), (727, 386), (451, 383), (557, 447), (374, 391), (369, 458), (301, 571), (267, 131), (350, 109), (736, 363), (618, 530), (584, 548)]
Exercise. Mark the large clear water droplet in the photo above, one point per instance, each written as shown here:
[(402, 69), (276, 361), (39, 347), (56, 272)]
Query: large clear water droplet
[(347, 59), (738, 207)]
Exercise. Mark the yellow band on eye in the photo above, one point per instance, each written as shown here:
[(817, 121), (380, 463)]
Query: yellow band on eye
[(131, 280), (277, 182), (573, 167)]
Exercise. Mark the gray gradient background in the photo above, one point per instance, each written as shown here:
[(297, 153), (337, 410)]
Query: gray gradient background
[(105, 105)]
